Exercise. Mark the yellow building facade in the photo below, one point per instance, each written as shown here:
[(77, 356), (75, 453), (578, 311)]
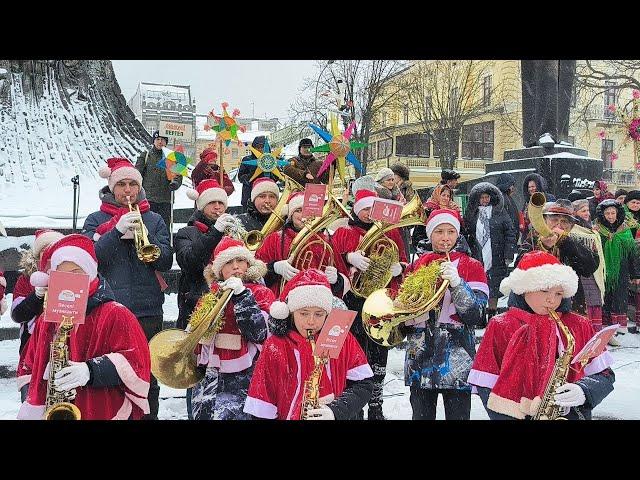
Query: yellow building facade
[(398, 135)]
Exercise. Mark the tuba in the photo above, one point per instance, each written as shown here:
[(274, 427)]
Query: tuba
[(382, 316), (58, 404), (383, 252), (548, 410), (254, 238), (172, 359), (301, 253), (147, 252)]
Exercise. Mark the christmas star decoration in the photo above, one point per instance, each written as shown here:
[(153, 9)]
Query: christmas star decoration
[(267, 161), (339, 147), (225, 125), (174, 162)]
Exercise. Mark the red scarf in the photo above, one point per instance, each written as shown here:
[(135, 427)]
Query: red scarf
[(117, 212)]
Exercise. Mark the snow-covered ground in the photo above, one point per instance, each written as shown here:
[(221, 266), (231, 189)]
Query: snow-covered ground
[(621, 404)]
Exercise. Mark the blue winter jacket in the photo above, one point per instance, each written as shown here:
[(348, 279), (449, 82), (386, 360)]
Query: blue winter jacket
[(134, 283)]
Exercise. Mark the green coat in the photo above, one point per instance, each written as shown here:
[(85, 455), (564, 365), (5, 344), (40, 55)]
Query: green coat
[(154, 179)]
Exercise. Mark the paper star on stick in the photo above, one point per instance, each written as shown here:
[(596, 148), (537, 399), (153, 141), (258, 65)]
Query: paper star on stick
[(339, 147), (225, 125), (267, 161), (174, 162)]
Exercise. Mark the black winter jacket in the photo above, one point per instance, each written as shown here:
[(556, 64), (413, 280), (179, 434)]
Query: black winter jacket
[(134, 283), (502, 232), (253, 219), (193, 253), (154, 179)]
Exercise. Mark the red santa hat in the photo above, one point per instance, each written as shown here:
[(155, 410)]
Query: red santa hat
[(118, 169), (207, 191), (228, 249), (74, 248), (208, 155), (364, 199), (537, 271), (308, 288), (440, 216), (262, 185), (44, 237), (296, 200)]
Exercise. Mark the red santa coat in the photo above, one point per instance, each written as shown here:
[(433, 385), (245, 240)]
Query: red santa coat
[(517, 355), (112, 330), (346, 239), (231, 360), (22, 290), (274, 249), (277, 384)]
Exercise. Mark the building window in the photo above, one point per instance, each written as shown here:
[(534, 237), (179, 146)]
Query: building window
[(605, 154), (372, 150), (385, 148), (609, 99), (477, 141), (405, 113), (445, 137), (486, 91), (413, 145)]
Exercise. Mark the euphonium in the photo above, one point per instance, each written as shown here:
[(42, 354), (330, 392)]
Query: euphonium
[(383, 252), (534, 210), (147, 252), (173, 361), (58, 404), (548, 409), (301, 253), (254, 238), (382, 316)]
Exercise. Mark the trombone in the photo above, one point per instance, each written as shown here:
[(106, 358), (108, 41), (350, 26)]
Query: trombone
[(147, 251)]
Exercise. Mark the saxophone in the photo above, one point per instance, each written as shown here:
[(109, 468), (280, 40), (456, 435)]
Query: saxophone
[(58, 404), (548, 410), (311, 392)]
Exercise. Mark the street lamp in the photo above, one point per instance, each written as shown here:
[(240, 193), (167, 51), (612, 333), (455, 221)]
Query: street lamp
[(315, 105)]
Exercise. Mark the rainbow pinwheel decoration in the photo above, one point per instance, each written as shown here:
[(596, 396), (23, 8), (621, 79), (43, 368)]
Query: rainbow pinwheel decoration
[(174, 162), (267, 161), (339, 147), (225, 125)]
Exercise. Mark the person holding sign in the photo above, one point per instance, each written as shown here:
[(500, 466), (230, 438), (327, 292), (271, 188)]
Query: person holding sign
[(109, 362), (512, 388), (348, 259), (440, 343), (276, 249), (277, 389)]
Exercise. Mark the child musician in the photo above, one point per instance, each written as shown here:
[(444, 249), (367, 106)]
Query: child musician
[(517, 355)]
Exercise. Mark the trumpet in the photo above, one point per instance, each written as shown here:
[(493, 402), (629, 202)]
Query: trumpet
[(147, 251), (382, 316)]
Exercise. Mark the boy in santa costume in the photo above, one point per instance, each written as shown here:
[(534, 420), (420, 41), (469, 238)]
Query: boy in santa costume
[(109, 364), (519, 349), (276, 248), (348, 259), (286, 362), (229, 357), (441, 343)]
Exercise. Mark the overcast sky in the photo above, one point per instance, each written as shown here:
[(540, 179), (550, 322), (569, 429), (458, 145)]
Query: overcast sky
[(271, 85)]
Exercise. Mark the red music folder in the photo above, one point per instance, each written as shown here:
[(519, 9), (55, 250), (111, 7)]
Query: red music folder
[(313, 200), (334, 332), (388, 211), (67, 296)]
